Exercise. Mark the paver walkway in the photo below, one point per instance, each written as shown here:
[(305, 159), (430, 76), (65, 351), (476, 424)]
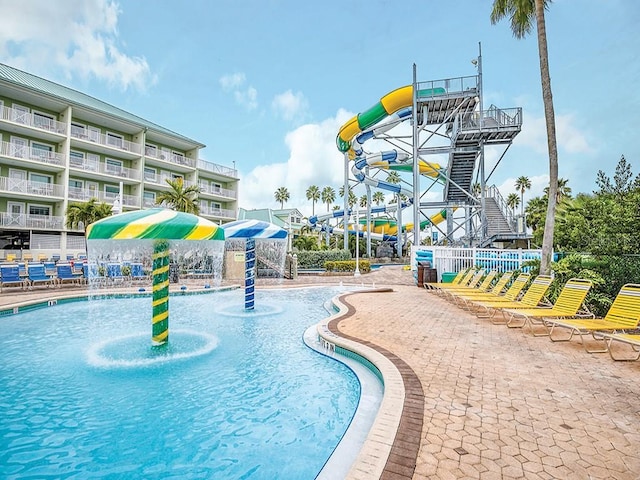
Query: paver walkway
[(496, 402)]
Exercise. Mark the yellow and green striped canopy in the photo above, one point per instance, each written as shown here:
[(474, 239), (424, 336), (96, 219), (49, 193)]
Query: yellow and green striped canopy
[(155, 223)]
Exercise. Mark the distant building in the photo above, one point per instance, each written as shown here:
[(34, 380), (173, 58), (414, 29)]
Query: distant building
[(289, 219), (58, 145)]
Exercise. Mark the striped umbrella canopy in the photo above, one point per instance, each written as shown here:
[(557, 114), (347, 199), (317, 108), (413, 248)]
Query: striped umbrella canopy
[(253, 229), (154, 223)]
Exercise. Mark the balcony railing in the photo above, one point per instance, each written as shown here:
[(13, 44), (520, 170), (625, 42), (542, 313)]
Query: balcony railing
[(215, 168), (169, 157), (160, 179), (101, 167), (105, 140), (27, 187), (15, 150), (32, 120), (219, 191), (84, 195), (23, 220), (218, 212)]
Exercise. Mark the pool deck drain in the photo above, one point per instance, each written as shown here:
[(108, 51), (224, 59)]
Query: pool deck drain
[(519, 406)]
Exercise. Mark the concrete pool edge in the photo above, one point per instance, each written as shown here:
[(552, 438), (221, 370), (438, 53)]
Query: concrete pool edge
[(391, 447)]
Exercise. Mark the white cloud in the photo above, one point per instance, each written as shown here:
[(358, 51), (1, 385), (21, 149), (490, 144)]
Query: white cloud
[(313, 160), (568, 135), (245, 96), (289, 105), (79, 36)]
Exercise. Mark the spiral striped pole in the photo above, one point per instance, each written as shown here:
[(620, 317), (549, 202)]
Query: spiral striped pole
[(249, 277), (160, 320)]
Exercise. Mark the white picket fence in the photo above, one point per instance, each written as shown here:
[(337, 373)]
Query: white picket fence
[(453, 259)]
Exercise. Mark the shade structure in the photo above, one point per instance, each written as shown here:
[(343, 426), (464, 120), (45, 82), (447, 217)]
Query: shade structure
[(250, 230), (255, 229), (155, 223), (160, 226)]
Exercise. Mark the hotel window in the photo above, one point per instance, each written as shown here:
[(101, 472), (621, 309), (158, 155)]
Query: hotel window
[(20, 114), (76, 159), (39, 177), (42, 120), (94, 134), (150, 174), (41, 150), (149, 199), (111, 192), (39, 210), (78, 130), (150, 150), (115, 140), (113, 167), (75, 184)]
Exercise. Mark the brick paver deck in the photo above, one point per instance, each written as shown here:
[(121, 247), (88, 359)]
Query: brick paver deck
[(491, 402)]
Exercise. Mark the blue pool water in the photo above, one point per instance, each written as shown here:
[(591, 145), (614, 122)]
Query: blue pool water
[(83, 395)]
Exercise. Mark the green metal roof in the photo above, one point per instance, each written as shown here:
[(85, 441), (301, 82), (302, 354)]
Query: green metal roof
[(73, 97)]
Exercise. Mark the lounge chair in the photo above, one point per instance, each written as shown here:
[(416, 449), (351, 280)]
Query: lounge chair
[(137, 273), (10, 277), (484, 287), (466, 279), (628, 338), (471, 286), (114, 274), (567, 305), (37, 276), (532, 298), (64, 274), (623, 315), (495, 291), (456, 281), (485, 307)]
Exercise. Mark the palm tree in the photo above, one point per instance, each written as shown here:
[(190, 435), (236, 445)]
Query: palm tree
[(522, 13), (476, 189), (362, 202), (281, 195), (393, 177), (378, 197), (313, 194), (180, 198), (82, 214), (513, 200), (522, 183), (563, 191), (328, 196)]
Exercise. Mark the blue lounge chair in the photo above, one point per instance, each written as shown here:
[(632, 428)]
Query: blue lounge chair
[(137, 273), (10, 277), (37, 276), (114, 273), (66, 275)]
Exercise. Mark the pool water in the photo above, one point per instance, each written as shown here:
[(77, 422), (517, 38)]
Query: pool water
[(235, 396)]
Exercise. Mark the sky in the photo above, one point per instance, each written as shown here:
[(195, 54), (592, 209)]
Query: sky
[(266, 84)]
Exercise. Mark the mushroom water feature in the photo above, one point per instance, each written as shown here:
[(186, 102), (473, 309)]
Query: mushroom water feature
[(266, 234), (157, 231)]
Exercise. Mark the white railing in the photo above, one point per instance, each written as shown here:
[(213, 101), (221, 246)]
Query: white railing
[(161, 179), (105, 140), (32, 120), (218, 212), (215, 168), (43, 222), (84, 195), (101, 167), (219, 191), (15, 150), (16, 185), (454, 259), (507, 211), (169, 157)]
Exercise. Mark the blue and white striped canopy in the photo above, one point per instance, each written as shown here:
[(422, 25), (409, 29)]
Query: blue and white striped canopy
[(253, 229)]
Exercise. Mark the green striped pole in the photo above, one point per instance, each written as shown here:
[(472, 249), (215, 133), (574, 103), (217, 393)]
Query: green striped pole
[(160, 327)]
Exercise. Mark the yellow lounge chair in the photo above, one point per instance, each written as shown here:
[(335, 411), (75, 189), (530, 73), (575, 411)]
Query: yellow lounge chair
[(623, 315), (456, 280), (485, 307), (567, 305), (472, 286), (628, 338), (487, 287), (496, 291)]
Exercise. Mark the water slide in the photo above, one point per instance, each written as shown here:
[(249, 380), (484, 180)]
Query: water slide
[(392, 109)]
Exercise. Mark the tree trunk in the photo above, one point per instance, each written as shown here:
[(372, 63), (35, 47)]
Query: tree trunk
[(549, 225)]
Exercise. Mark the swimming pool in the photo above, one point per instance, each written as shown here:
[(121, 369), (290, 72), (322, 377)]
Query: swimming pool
[(236, 396)]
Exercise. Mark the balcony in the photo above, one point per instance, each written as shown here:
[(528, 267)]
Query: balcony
[(19, 155), (34, 222), (103, 143), (33, 190), (84, 195), (217, 191), (153, 156), (161, 180), (221, 213), (32, 124), (97, 169), (217, 169)]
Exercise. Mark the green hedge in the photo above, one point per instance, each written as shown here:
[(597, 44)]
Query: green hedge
[(317, 258), (348, 266)]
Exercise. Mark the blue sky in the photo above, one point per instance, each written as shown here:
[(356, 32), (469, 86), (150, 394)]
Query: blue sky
[(267, 83)]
